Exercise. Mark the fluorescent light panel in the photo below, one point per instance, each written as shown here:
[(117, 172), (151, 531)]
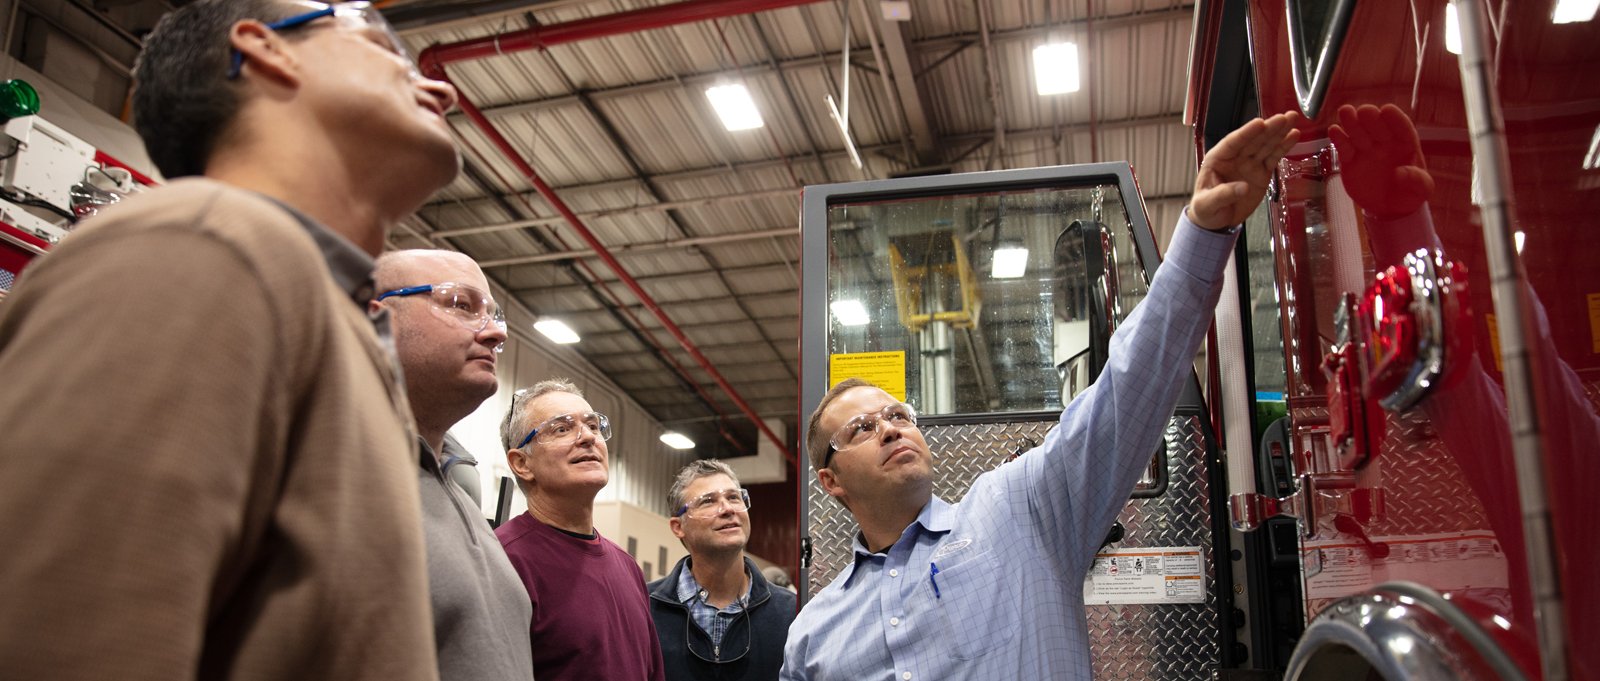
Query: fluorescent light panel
[(1055, 68), (1010, 262), (735, 107), (849, 313), (676, 440), (556, 331), (1591, 160), (1574, 11), (1452, 29)]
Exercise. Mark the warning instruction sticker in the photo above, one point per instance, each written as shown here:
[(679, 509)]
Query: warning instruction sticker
[(887, 370), (1156, 574)]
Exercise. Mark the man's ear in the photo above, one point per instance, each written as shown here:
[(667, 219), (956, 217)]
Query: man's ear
[(266, 54), (676, 525), (519, 465), (830, 483)]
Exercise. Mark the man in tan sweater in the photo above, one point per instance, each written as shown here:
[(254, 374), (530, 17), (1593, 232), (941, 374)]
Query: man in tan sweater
[(206, 461)]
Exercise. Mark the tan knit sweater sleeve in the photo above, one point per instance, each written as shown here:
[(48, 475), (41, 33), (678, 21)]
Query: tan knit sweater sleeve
[(146, 396)]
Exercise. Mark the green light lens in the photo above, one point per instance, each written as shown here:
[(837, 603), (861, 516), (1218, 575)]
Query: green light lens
[(18, 99)]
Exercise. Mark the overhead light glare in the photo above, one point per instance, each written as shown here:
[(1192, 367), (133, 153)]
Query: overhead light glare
[(1452, 29), (676, 440), (1010, 262), (557, 331), (1055, 68), (1519, 237), (1574, 11), (1591, 160), (735, 107), (850, 313)]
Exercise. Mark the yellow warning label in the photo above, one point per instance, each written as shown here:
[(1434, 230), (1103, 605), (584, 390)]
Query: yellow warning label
[(1494, 342), (1594, 320), (887, 370)]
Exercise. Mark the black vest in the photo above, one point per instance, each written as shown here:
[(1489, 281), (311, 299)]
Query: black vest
[(751, 649)]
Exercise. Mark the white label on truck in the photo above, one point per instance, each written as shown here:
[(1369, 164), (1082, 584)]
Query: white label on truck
[(1153, 574)]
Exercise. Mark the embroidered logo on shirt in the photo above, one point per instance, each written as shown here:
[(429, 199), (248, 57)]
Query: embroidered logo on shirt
[(950, 548)]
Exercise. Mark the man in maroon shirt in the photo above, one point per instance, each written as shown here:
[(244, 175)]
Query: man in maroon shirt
[(590, 614)]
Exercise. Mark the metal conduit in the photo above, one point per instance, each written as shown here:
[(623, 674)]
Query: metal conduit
[(433, 60)]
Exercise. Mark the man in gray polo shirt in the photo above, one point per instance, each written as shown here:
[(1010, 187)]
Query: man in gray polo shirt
[(448, 332)]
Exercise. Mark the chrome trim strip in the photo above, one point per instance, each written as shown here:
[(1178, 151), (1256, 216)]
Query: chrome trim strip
[(1310, 93), (1507, 281)]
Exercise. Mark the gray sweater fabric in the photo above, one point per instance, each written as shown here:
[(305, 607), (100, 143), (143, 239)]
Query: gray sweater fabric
[(481, 611)]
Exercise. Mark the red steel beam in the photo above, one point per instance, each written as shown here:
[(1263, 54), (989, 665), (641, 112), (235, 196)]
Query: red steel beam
[(541, 37)]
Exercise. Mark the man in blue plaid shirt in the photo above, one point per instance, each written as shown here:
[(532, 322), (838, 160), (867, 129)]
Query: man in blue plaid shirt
[(992, 588), (717, 616)]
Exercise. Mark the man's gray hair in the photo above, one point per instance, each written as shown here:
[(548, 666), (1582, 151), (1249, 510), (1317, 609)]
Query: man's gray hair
[(516, 424), (699, 468)]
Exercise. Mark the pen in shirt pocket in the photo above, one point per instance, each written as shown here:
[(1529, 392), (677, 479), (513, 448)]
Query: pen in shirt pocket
[(933, 574)]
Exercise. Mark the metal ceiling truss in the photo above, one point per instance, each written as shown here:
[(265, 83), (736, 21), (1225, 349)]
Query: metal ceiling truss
[(434, 59)]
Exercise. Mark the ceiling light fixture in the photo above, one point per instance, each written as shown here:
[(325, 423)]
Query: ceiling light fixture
[(1452, 29), (1574, 11), (735, 107), (850, 313), (1010, 262), (1055, 68), (557, 331), (1591, 160), (676, 440)]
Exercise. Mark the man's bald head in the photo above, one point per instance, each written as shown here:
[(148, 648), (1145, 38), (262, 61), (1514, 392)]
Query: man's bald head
[(447, 353), (399, 269)]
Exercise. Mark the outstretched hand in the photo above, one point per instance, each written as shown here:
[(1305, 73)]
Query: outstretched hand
[(1380, 160), (1234, 174)]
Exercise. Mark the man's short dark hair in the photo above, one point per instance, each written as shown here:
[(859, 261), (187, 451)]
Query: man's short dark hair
[(183, 101), (817, 443)]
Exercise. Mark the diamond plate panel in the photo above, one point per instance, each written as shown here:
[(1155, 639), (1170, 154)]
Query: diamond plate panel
[(1126, 642), (1435, 496)]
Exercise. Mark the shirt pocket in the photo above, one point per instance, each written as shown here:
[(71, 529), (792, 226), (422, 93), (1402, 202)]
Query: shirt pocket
[(974, 601)]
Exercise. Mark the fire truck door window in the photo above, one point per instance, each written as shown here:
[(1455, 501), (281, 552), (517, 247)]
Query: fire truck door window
[(1266, 329), (1001, 301)]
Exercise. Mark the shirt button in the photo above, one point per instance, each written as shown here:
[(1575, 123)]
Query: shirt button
[(895, 573), (894, 621), (906, 676)]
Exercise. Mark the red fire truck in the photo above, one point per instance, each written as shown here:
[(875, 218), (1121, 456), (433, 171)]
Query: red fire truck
[(1406, 368)]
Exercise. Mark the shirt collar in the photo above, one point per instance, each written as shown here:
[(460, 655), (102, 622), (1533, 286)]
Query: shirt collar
[(689, 588), (350, 267), (431, 462), (937, 517)]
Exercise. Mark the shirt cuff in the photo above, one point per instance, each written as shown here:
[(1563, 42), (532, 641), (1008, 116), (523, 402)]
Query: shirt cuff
[(1199, 252)]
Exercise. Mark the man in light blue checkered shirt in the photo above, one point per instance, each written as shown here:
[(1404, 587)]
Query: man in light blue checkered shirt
[(992, 588)]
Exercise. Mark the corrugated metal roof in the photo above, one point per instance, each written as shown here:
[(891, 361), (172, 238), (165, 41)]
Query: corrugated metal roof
[(621, 124)]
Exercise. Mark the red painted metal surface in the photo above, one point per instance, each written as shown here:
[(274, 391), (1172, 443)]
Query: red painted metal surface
[(433, 60), (18, 249), (1449, 516)]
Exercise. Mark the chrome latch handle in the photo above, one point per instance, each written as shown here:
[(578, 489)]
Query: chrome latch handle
[(1248, 510)]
